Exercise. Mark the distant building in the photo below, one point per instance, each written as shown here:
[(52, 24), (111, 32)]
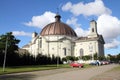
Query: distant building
[(59, 39)]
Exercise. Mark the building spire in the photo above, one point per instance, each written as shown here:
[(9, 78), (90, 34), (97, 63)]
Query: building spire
[(57, 17), (57, 11)]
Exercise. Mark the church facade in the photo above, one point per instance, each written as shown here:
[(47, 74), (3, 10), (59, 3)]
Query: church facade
[(59, 39)]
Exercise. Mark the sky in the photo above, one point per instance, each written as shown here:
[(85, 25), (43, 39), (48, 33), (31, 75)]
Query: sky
[(23, 17)]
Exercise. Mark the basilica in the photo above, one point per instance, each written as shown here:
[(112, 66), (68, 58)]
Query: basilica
[(59, 39)]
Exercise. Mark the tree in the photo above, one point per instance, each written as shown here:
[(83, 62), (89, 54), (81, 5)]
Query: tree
[(12, 42), (86, 57), (114, 58), (72, 58), (95, 56), (12, 47), (118, 57)]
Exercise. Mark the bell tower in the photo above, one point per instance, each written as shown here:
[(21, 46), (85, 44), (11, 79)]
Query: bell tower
[(93, 29)]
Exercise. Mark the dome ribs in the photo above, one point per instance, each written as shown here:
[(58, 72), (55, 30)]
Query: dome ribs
[(51, 30), (57, 28), (43, 31)]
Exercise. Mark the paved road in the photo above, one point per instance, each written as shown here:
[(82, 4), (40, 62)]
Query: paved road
[(60, 74)]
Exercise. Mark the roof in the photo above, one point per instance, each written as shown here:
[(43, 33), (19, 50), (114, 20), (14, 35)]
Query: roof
[(58, 28), (26, 46), (83, 39)]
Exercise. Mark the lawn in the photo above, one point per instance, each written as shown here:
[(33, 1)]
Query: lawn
[(17, 69), (31, 68)]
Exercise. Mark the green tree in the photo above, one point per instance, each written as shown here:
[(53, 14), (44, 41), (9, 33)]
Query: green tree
[(86, 57), (12, 47), (12, 44), (95, 56), (64, 59), (118, 57), (72, 58)]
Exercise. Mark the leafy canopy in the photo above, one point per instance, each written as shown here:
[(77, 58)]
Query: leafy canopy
[(12, 42)]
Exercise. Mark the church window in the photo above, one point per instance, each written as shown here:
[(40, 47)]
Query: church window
[(40, 43), (92, 29), (90, 48), (81, 52), (64, 49)]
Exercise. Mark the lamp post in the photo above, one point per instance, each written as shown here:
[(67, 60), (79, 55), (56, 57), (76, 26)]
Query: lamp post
[(5, 55), (57, 52)]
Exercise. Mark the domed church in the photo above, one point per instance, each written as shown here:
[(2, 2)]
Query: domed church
[(59, 39)]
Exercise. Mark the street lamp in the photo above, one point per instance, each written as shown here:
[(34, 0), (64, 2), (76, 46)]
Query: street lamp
[(5, 55), (57, 52)]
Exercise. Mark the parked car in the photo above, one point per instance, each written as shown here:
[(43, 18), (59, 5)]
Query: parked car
[(76, 64), (97, 62), (105, 62)]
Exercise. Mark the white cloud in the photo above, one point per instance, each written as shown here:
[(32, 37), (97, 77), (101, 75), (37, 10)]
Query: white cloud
[(21, 33), (109, 26), (42, 20), (73, 21), (79, 31), (93, 8), (113, 44), (67, 6)]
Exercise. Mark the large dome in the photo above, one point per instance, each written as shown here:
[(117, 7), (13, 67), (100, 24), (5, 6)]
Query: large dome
[(57, 28)]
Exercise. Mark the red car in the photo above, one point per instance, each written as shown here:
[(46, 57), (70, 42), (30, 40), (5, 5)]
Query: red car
[(75, 64), (104, 62)]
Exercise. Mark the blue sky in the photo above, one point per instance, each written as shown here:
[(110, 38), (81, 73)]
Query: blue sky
[(22, 17)]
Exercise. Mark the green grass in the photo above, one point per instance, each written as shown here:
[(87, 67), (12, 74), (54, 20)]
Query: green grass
[(30, 68), (19, 69), (88, 66)]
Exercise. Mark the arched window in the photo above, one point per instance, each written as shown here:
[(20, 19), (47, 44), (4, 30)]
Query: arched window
[(81, 52), (64, 49), (92, 29), (41, 43)]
